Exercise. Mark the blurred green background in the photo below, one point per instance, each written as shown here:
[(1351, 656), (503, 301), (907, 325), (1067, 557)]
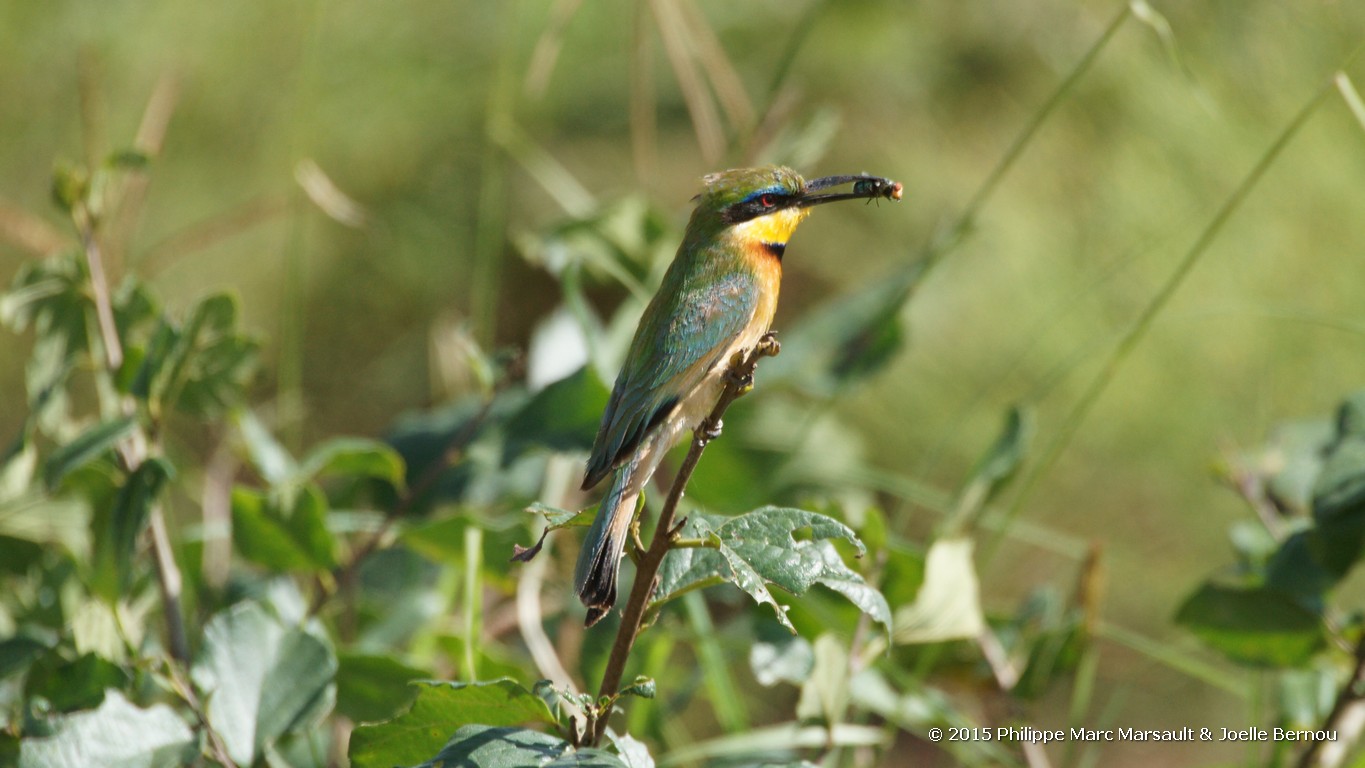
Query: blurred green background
[(461, 127)]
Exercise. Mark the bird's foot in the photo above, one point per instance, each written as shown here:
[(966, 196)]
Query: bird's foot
[(708, 430), (768, 346)]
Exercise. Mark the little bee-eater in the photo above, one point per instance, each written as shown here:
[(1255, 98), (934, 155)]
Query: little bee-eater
[(717, 298)]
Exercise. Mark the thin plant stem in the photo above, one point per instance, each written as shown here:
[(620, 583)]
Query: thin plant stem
[(738, 381), (948, 238), (1138, 330), (1352, 694), (132, 450)]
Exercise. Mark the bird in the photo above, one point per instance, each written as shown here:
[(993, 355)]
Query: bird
[(716, 299)]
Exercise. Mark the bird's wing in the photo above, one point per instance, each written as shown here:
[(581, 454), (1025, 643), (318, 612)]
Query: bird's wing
[(682, 336)]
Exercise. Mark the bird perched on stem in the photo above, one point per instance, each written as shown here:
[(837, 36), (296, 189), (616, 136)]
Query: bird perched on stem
[(717, 299)]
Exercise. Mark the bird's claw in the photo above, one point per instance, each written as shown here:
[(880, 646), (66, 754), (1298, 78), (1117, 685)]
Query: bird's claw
[(709, 430), (768, 346)]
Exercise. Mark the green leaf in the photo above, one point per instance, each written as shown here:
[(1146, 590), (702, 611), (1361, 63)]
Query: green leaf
[(632, 752), (643, 687), (294, 539), (261, 679), (69, 186), (117, 734), (760, 547), (992, 471), (778, 656), (1339, 507), (117, 523), (416, 735), (562, 417), (50, 296), (17, 556), (425, 440), (948, 604), (17, 470), (1259, 626), (21, 650), (371, 688), (203, 367), (481, 746), (1293, 458), (1293, 568), (267, 455), (353, 457), (557, 518), (824, 695), (85, 448), (130, 159), (72, 685), (132, 509)]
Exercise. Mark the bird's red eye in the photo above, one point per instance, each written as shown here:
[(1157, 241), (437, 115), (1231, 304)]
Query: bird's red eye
[(767, 201)]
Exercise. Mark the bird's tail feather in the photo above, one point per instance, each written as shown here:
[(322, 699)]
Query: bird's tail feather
[(595, 574)]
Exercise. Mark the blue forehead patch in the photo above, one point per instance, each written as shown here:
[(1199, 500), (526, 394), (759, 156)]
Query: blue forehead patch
[(776, 189)]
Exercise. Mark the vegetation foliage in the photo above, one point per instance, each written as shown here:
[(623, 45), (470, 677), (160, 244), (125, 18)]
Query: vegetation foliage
[(194, 575)]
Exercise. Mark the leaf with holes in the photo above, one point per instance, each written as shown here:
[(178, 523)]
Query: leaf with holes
[(786, 547)]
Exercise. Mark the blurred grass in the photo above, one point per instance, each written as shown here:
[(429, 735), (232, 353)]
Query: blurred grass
[(393, 103)]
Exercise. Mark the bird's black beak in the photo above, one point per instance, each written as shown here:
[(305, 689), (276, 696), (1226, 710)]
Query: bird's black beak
[(864, 188)]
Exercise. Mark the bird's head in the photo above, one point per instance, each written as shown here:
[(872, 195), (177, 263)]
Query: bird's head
[(764, 205)]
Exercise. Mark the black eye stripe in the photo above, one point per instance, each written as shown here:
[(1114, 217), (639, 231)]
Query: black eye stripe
[(753, 207)]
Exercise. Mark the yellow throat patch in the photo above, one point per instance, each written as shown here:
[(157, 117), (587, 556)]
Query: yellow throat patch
[(775, 228)]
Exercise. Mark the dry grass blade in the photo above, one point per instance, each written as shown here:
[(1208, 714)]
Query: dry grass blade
[(705, 121), (719, 70), (30, 233), (210, 232), (132, 191), (1351, 96), (644, 127), (546, 52)]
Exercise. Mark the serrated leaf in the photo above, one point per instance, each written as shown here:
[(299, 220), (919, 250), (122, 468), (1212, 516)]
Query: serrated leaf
[(413, 737), (948, 604), (353, 457), (643, 687), (480, 746), (373, 687), (117, 734), (262, 680), (563, 416), (759, 547), (1253, 625), (85, 448)]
